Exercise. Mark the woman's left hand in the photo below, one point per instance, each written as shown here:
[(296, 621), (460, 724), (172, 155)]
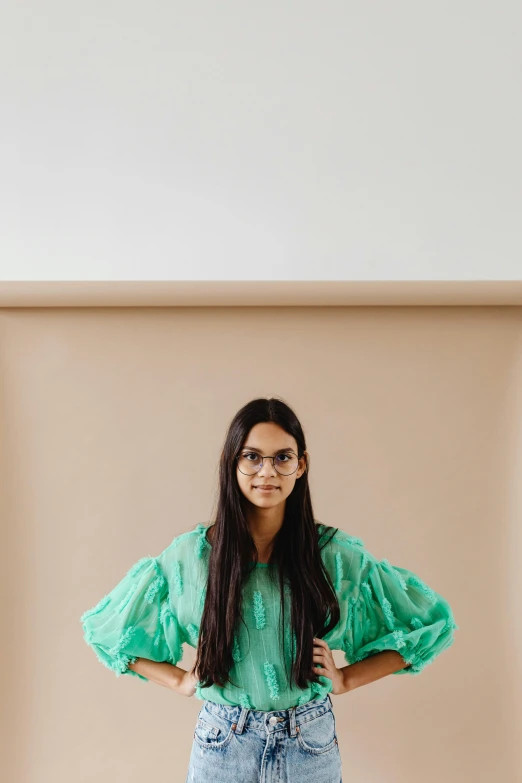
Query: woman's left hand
[(323, 655)]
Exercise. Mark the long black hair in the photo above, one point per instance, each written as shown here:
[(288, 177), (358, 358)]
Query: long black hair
[(296, 551)]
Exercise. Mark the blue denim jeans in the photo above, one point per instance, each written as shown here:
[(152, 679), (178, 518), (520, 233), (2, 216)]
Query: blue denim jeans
[(233, 744)]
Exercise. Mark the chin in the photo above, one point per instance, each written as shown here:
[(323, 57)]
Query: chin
[(261, 501)]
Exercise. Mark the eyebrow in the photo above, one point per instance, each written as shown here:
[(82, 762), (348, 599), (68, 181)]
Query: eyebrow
[(251, 448)]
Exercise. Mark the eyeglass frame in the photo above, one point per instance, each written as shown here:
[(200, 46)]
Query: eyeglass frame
[(251, 451)]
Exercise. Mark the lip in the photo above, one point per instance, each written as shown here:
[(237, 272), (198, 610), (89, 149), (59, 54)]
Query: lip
[(265, 488)]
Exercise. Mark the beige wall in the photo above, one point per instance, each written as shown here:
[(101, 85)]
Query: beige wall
[(112, 422)]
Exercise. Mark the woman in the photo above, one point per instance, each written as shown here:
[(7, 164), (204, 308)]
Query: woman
[(264, 595)]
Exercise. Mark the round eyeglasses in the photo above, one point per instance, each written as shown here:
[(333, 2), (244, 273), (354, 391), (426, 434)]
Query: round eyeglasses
[(250, 462)]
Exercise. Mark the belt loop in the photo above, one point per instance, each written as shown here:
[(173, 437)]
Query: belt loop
[(239, 726), (293, 728)]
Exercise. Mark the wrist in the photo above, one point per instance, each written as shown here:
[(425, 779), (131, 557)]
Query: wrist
[(348, 679)]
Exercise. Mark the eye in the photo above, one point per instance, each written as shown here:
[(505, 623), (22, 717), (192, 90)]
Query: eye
[(283, 455), (250, 454)]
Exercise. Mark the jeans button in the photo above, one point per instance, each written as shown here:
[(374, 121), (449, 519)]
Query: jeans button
[(273, 720)]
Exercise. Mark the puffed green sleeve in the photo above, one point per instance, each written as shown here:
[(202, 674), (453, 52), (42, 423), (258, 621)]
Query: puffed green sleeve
[(136, 619), (395, 610)]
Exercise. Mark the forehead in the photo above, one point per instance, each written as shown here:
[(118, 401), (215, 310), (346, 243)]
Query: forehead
[(269, 438)]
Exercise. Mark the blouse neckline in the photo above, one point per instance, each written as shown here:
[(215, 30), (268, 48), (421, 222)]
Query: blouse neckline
[(204, 529)]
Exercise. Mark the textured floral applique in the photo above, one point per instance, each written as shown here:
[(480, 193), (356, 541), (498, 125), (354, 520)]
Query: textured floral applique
[(125, 600), (338, 572), (176, 575), (202, 544), (399, 638), (388, 612), (351, 608), (120, 660), (159, 635), (102, 603), (366, 588), (165, 611), (236, 652), (133, 570), (154, 588), (193, 632), (122, 641), (171, 629), (202, 596), (271, 679), (259, 610), (244, 700), (294, 646)]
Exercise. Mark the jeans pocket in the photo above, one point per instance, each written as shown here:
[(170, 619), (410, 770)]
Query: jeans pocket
[(212, 731), (318, 735)]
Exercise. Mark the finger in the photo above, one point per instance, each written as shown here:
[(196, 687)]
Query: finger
[(323, 652), (324, 671), (321, 643)]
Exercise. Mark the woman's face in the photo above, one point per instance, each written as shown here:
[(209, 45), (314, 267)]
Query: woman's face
[(267, 439)]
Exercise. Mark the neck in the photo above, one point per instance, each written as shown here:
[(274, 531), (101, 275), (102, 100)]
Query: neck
[(262, 530), (264, 524)]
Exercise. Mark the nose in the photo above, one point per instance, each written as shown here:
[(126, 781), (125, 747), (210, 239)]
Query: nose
[(263, 469)]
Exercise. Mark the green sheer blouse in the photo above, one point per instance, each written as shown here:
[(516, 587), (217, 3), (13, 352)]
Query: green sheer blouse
[(157, 607)]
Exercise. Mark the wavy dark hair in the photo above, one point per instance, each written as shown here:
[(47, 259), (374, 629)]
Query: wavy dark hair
[(296, 551)]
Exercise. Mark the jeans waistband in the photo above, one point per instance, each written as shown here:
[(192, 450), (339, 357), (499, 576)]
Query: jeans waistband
[(273, 720)]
